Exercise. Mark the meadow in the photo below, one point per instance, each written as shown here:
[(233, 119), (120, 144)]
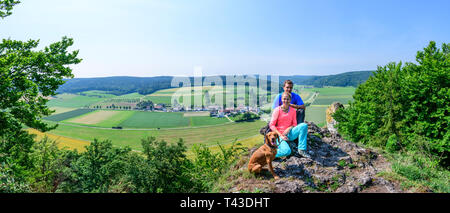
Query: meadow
[(78, 126), (316, 111), (208, 135), (68, 114)]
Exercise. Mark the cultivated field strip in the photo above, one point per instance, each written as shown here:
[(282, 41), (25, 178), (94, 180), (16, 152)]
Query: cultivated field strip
[(210, 135), (94, 117), (62, 141), (68, 115)]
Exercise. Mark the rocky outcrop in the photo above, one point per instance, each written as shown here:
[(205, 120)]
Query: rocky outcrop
[(336, 165), (331, 123)]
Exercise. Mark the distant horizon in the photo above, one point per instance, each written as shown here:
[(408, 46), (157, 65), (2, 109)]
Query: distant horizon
[(215, 75)]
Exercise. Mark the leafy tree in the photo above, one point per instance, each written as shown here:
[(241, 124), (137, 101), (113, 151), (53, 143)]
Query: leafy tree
[(400, 104), (98, 169), (27, 77), (6, 7), (170, 166)]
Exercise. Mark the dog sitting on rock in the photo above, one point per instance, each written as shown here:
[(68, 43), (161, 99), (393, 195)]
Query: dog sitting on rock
[(265, 154)]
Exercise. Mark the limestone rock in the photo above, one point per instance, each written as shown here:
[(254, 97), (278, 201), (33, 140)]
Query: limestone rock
[(330, 120), (337, 165)]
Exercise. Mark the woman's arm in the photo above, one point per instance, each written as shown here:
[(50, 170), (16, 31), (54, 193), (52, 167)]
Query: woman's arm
[(286, 132), (274, 120), (273, 123)]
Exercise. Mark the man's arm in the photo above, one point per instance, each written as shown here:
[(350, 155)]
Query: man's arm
[(298, 102), (298, 106)]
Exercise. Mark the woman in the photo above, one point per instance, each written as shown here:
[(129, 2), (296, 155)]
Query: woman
[(284, 122)]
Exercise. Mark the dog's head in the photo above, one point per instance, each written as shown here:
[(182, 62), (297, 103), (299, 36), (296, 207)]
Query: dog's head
[(271, 139)]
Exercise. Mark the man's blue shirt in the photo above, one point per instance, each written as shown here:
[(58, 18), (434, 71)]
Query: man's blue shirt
[(296, 99)]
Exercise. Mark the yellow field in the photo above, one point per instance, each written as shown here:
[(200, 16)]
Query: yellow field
[(72, 144), (62, 142), (94, 118)]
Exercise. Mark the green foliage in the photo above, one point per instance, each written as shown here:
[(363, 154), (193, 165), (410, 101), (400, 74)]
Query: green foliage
[(145, 105), (97, 169), (352, 79), (26, 77), (400, 103), (208, 166), (169, 164), (6, 6), (392, 143), (47, 165), (9, 183), (420, 172), (247, 116)]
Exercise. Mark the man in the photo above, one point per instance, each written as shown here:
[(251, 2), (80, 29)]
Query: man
[(296, 101)]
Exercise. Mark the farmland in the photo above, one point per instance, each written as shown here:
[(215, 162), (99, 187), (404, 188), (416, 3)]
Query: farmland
[(208, 135), (68, 114), (84, 116), (324, 98)]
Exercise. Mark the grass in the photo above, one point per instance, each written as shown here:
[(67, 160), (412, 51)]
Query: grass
[(97, 93), (416, 173), (164, 96), (159, 99), (73, 101), (59, 110), (117, 119), (316, 114), (208, 135), (155, 120), (68, 115), (62, 142), (328, 95), (102, 118), (205, 121)]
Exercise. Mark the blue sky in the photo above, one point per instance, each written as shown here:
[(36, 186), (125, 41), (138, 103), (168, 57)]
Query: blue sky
[(164, 37)]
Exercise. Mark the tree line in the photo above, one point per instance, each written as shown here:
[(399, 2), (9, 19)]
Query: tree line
[(147, 85), (404, 109)]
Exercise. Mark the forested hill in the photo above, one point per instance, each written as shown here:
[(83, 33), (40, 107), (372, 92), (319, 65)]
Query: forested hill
[(120, 85), (117, 85), (341, 80)]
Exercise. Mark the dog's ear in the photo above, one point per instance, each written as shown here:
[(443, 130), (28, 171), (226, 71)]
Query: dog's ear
[(278, 138), (266, 139)]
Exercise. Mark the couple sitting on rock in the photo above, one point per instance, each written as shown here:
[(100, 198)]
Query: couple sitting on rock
[(288, 122)]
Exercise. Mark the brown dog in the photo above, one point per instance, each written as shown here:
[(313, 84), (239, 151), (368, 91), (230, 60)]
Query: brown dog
[(265, 154)]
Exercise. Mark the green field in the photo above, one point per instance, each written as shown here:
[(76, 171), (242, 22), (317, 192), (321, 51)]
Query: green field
[(159, 99), (328, 95), (97, 93), (68, 115), (194, 128), (208, 135), (165, 96), (204, 121), (155, 120), (316, 112), (117, 119), (135, 119), (73, 101)]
